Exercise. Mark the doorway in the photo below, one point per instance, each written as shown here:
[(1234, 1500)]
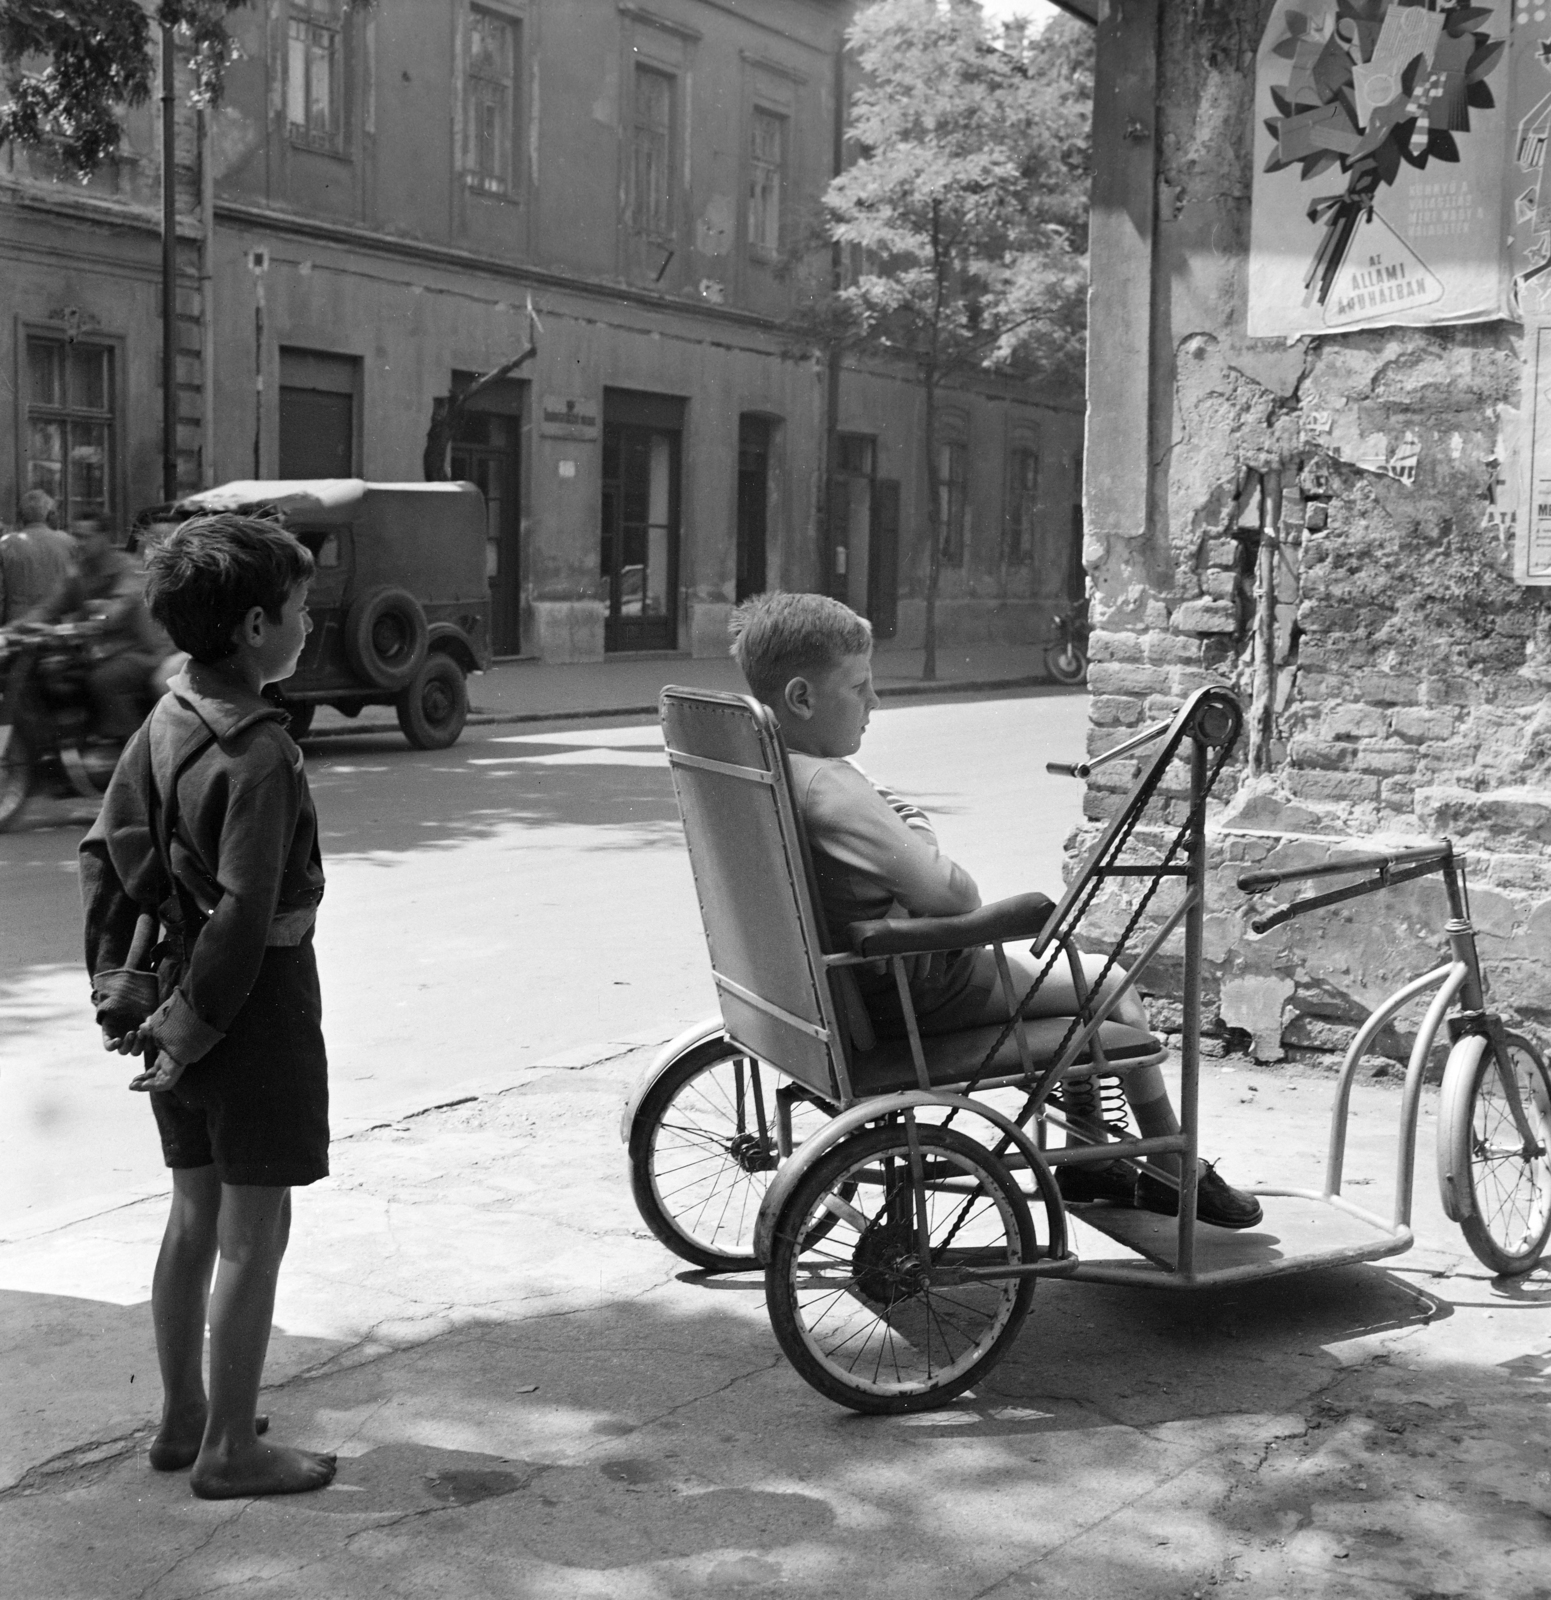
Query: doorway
[(486, 451), (638, 546)]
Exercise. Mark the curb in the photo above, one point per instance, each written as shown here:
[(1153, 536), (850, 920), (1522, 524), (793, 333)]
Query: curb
[(899, 691)]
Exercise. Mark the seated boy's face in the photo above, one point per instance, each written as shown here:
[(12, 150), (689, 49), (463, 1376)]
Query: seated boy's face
[(839, 701)]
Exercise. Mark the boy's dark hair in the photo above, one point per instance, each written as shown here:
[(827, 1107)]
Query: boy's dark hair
[(777, 637), (210, 572)]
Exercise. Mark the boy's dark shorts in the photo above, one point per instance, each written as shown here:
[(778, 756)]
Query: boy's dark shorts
[(257, 1105)]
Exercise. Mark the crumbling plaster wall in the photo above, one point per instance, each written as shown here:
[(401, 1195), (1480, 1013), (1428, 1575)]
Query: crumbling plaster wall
[(1409, 688)]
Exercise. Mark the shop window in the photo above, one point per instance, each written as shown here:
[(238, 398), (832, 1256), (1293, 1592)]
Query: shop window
[(767, 159), (314, 74), (952, 484), (490, 101), (1022, 501), (70, 427), (651, 210)]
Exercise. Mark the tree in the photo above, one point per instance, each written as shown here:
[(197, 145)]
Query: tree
[(964, 212), (71, 66), (448, 411)]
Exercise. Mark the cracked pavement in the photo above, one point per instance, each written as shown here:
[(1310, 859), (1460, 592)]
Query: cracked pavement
[(530, 1397)]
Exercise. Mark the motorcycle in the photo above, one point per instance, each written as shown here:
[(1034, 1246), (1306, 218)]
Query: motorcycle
[(1066, 659), (48, 739)]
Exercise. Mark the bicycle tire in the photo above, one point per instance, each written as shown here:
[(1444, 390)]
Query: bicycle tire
[(15, 775), (1066, 663), (1498, 1191), (861, 1278), (700, 1161)]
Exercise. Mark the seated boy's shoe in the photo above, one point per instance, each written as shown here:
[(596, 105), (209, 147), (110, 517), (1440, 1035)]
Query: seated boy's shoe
[(1217, 1202), (1115, 1181)]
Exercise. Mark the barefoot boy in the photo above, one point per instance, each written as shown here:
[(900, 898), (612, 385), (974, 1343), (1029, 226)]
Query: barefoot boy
[(209, 826), (809, 658)]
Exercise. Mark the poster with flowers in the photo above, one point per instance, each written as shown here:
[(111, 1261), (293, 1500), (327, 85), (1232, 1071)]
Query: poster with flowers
[(1381, 165)]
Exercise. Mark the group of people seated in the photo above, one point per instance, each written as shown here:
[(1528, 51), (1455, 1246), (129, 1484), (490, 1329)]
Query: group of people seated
[(48, 576)]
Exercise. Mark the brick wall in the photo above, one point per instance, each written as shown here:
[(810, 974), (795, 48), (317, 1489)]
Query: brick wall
[(1396, 678)]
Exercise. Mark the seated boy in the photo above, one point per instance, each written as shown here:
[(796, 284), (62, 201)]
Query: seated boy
[(809, 658), (208, 826)]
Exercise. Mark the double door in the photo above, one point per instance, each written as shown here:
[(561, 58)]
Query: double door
[(486, 453)]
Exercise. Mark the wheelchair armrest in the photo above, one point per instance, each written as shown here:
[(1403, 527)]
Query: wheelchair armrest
[(1020, 917)]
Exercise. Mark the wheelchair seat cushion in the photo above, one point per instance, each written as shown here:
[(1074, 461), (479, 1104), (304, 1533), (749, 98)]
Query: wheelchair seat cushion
[(957, 1057)]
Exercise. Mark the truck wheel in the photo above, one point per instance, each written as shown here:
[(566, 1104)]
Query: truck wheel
[(433, 709), (386, 637)]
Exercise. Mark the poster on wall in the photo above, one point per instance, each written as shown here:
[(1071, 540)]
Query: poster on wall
[(1381, 165)]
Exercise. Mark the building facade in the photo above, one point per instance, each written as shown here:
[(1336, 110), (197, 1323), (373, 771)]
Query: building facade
[(1395, 671), (370, 215)]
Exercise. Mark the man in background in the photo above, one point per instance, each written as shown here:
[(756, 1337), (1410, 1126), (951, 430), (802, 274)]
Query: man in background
[(36, 559)]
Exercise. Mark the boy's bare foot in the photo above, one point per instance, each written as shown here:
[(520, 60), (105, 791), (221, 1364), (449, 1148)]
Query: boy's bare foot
[(260, 1468), (177, 1446)]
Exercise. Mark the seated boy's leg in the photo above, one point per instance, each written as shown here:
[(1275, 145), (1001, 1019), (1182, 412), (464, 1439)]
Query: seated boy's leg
[(233, 1461), (985, 1004)]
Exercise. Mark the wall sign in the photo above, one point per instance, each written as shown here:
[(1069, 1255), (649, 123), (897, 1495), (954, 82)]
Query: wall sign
[(564, 417)]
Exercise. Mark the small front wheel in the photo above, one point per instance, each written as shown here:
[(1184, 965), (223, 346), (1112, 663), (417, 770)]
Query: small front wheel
[(433, 709), (1494, 1169), (1066, 662), (868, 1316), (705, 1143)]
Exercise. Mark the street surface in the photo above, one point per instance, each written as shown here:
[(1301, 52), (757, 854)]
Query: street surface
[(522, 899), (532, 1400)]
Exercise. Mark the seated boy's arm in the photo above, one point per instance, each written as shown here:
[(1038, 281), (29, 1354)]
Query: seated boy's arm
[(907, 811), (255, 840), (852, 823)]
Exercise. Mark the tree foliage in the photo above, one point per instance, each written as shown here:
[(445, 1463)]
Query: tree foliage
[(965, 210), (72, 66)]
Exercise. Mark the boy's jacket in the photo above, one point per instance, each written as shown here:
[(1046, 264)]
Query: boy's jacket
[(244, 853)]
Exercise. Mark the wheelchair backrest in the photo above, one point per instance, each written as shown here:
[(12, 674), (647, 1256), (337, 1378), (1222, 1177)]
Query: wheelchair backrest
[(755, 885)]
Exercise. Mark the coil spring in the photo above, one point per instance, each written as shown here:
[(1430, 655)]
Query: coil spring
[(1096, 1098)]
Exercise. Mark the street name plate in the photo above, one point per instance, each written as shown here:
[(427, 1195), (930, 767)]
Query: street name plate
[(565, 417)]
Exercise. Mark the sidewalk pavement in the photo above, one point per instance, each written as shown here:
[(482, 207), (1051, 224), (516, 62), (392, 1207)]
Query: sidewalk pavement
[(531, 1398), (539, 691)]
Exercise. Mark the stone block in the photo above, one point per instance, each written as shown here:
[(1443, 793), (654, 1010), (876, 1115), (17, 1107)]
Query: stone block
[(1350, 787), (1222, 553), (1114, 711), (1420, 725), (708, 638), (1387, 689), (1448, 692), (1311, 1033), (1156, 614), (1219, 585), (1108, 646), (1522, 872), (1515, 817), (1171, 649), (1186, 680), (1205, 616), (1321, 754), (1264, 810), (1391, 761), (1160, 707), (569, 630), (1353, 722), (1118, 677), (1515, 691)]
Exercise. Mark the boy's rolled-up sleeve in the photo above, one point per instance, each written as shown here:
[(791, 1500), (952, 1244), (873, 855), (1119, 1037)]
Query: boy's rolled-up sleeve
[(854, 824), (256, 833)]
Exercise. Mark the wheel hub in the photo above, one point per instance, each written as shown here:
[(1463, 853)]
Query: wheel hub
[(885, 1264), (752, 1153)]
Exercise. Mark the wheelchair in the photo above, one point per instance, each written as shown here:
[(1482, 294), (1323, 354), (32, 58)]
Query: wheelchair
[(900, 1193)]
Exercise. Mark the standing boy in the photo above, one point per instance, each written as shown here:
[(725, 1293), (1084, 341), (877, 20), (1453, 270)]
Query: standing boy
[(208, 826), (809, 658)]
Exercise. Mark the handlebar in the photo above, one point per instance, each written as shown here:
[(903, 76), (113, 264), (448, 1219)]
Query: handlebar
[(1253, 882), (1081, 769)]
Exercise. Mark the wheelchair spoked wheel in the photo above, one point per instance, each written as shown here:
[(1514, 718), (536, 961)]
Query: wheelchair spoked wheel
[(855, 1309), (1496, 1185), (704, 1147)]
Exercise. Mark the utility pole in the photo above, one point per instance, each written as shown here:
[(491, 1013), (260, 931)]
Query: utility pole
[(169, 273)]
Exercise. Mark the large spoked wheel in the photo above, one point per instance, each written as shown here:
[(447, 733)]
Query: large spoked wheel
[(15, 774), (1066, 662), (1495, 1173), (704, 1146), (867, 1318)]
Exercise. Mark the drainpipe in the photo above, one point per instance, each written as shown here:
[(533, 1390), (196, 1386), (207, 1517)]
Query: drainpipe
[(206, 305), (169, 272)]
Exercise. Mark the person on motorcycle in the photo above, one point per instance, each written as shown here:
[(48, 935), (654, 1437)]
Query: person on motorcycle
[(108, 588), (35, 559)]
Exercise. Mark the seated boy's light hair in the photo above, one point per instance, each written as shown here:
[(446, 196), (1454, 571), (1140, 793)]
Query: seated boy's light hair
[(210, 572), (778, 637)]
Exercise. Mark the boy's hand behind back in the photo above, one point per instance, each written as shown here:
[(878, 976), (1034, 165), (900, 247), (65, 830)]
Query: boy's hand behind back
[(161, 1075)]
